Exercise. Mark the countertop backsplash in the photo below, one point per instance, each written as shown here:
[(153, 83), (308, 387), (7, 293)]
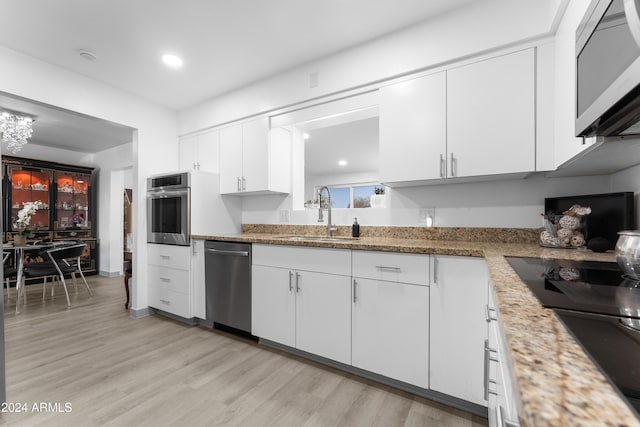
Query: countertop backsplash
[(466, 234)]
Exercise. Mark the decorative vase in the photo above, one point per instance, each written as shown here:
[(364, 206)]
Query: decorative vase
[(19, 239)]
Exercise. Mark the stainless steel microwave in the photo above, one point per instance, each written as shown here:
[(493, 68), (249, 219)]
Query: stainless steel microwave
[(608, 69), (168, 209)]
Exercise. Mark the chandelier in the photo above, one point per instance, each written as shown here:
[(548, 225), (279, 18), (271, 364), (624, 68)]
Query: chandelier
[(15, 130)]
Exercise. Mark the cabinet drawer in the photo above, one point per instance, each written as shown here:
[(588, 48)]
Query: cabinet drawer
[(391, 267), (165, 299), (324, 260), (171, 278), (170, 256)]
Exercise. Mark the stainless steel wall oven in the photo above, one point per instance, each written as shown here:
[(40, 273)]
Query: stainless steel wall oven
[(168, 209)]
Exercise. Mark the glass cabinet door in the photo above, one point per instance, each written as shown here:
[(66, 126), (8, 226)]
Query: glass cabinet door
[(72, 201), (29, 186)]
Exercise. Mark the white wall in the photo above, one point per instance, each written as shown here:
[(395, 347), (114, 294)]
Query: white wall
[(507, 203), (113, 166), (39, 152), (629, 180), (155, 147), (481, 27)]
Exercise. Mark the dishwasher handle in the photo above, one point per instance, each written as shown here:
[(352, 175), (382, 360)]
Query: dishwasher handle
[(224, 252)]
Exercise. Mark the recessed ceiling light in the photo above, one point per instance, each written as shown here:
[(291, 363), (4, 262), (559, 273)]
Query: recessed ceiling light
[(172, 60), (342, 163), (306, 135)]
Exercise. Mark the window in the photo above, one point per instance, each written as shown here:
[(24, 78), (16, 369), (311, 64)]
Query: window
[(357, 196)]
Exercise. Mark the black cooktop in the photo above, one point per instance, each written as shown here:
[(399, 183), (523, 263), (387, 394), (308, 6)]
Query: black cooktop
[(589, 286), (599, 306)]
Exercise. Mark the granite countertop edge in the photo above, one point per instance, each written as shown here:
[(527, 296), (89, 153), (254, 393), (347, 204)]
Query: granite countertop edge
[(555, 381)]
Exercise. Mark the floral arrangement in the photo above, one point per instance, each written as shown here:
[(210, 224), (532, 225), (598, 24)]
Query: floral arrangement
[(25, 214)]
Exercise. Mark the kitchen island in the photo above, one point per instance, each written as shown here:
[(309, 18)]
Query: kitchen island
[(556, 383)]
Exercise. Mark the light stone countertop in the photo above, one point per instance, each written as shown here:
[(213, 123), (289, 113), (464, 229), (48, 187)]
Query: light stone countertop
[(556, 383)]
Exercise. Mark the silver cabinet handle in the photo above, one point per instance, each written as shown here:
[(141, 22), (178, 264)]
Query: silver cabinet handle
[(355, 283), (238, 185), (165, 256), (297, 282), (435, 271), (244, 184), (290, 281), (388, 267), (443, 166), (165, 279), (165, 301), (486, 369), (454, 166), (489, 312)]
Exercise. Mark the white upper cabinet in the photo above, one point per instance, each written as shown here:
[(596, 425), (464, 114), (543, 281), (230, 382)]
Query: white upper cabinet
[(254, 159), (475, 120), (491, 116), (413, 129), (200, 152)]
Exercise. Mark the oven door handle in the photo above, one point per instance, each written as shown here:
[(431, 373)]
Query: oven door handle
[(163, 194)]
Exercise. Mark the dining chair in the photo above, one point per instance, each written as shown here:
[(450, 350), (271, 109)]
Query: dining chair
[(9, 273), (63, 262)]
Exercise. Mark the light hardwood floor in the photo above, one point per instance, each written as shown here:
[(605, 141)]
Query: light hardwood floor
[(117, 371)]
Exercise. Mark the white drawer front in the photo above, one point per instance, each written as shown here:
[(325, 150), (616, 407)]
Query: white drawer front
[(392, 267), (170, 256), (324, 260), (165, 299), (171, 278)]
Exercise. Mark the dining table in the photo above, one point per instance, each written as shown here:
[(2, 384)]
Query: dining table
[(19, 251)]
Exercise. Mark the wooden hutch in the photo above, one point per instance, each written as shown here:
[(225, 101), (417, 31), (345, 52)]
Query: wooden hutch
[(69, 204)]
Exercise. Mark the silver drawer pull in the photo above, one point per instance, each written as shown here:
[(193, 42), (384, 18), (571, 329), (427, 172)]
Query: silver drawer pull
[(165, 256), (490, 313), (165, 279), (165, 301), (387, 267)]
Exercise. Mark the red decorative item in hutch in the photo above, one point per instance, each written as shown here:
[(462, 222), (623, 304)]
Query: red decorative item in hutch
[(72, 201), (29, 185)]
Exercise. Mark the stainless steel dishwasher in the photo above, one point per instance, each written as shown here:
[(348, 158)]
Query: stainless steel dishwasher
[(228, 285)]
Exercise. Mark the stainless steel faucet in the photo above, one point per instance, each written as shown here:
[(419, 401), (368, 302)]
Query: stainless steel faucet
[(330, 227)]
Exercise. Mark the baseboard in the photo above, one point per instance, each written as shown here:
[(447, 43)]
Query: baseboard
[(110, 273), (138, 313)]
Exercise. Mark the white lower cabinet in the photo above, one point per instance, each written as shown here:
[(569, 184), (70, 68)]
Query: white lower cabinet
[(499, 389), (458, 327), (176, 279), (298, 301), (390, 318)]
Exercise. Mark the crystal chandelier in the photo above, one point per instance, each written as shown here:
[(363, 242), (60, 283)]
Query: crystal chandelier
[(15, 130)]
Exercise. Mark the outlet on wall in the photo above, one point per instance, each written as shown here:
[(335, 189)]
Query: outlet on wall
[(427, 216), (285, 215)]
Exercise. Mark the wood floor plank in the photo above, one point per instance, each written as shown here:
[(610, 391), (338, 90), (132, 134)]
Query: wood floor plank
[(118, 371)]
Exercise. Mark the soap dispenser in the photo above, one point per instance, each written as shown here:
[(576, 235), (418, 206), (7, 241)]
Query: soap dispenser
[(355, 228)]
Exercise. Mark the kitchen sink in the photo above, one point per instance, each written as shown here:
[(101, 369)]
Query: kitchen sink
[(320, 238)]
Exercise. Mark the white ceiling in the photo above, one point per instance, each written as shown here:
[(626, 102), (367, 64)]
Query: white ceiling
[(225, 44)]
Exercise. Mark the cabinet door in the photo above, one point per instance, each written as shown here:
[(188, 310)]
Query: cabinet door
[(188, 153), (491, 116), (391, 330), (198, 291), (323, 315), (255, 155), (273, 304), (208, 151), (458, 327), (413, 129), (230, 159)]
